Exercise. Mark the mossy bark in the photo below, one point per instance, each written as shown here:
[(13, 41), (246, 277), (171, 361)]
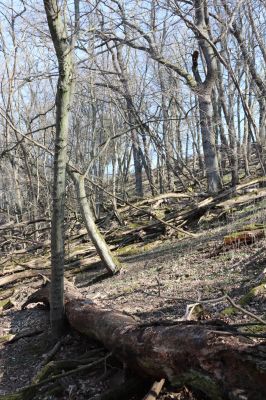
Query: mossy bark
[(253, 293)]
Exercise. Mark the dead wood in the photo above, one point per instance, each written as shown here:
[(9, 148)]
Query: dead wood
[(11, 269), (243, 199), (5, 294), (50, 355), (12, 225), (246, 237), (223, 200), (155, 390), (176, 219), (24, 333), (199, 355), (244, 311), (164, 196), (6, 280), (82, 263)]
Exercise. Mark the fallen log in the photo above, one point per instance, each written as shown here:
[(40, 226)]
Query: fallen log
[(7, 280), (11, 225), (164, 196), (243, 199), (246, 237), (205, 356)]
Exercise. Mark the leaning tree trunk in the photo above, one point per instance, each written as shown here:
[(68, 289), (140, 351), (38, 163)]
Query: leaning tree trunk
[(109, 261), (205, 356)]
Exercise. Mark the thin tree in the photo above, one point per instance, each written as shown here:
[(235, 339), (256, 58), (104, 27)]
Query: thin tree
[(64, 45)]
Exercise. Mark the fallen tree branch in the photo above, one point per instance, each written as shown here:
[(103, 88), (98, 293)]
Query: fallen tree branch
[(164, 196), (6, 280), (244, 311), (24, 333), (48, 356)]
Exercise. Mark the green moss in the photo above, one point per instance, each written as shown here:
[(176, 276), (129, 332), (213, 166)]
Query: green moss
[(251, 227), (227, 178), (135, 225), (259, 329), (5, 304), (225, 257), (228, 311), (232, 235), (207, 218), (200, 382), (130, 289), (256, 291), (136, 248), (127, 251), (5, 338)]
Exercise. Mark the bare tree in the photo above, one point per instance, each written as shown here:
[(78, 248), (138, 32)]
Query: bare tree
[(63, 44)]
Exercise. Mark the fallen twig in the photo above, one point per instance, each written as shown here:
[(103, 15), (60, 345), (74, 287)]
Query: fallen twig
[(245, 311), (23, 334)]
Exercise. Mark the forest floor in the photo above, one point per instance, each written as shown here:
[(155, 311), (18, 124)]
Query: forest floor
[(158, 280)]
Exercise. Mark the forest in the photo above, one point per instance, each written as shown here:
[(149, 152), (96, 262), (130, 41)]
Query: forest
[(133, 200)]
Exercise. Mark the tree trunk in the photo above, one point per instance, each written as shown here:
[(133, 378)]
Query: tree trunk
[(137, 163), (208, 144), (204, 92), (204, 356), (109, 261), (63, 98)]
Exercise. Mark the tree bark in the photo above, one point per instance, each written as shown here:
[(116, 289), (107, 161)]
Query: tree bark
[(63, 49), (208, 143), (205, 356), (204, 92), (109, 261)]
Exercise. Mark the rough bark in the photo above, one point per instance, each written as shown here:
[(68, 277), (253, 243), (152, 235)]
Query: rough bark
[(205, 356)]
